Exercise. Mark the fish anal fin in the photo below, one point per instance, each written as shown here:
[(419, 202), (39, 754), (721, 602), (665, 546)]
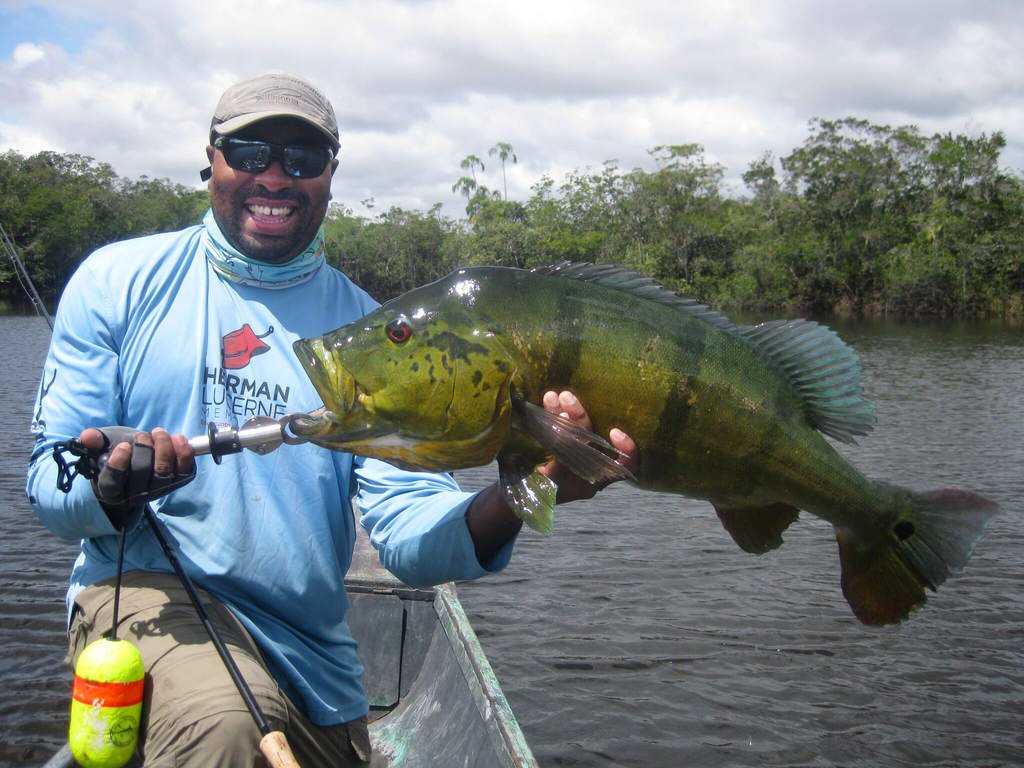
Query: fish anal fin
[(757, 529)]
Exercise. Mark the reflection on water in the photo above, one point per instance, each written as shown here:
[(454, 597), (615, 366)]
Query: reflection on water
[(639, 635)]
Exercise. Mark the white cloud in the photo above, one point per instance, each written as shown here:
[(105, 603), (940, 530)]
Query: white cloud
[(26, 53), (418, 85)]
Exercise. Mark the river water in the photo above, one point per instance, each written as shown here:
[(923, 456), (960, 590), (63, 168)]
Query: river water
[(639, 635)]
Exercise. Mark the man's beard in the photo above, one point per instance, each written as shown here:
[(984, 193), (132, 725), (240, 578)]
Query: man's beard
[(266, 248)]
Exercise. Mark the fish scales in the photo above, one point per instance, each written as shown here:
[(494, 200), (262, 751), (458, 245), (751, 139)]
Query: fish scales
[(691, 421), (731, 415)]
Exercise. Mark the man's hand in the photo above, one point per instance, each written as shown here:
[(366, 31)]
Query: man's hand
[(572, 487), (491, 523), (151, 466)]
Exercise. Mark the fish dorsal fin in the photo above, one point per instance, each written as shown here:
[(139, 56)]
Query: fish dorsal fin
[(634, 283), (823, 370)]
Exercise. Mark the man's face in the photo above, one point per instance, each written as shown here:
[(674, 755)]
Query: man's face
[(270, 216)]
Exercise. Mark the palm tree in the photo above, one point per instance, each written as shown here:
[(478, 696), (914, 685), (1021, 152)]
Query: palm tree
[(469, 164), (503, 150), (465, 186)]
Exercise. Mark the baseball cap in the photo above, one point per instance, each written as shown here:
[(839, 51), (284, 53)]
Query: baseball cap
[(274, 94)]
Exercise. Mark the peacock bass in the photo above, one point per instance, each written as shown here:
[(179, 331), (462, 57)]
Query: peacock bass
[(451, 375)]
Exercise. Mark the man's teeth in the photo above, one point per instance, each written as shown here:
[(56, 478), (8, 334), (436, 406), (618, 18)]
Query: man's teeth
[(266, 210)]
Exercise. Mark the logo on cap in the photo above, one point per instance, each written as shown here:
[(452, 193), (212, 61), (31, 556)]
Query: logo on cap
[(280, 94)]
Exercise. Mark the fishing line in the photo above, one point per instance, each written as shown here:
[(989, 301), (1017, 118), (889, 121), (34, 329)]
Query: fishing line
[(117, 580), (23, 278), (107, 694)]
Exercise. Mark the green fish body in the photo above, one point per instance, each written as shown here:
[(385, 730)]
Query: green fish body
[(451, 375)]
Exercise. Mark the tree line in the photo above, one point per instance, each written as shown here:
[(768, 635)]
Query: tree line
[(860, 217)]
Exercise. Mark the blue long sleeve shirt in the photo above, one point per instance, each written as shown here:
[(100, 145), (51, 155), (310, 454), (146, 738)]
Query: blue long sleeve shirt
[(148, 335)]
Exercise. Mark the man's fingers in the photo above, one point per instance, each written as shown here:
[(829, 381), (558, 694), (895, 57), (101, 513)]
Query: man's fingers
[(92, 439), (185, 454), (120, 457), (624, 443), (566, 404), (163, 452), (574, 409), (550, 401)]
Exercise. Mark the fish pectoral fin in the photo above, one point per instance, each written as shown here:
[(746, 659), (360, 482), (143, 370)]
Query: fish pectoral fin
[(757, 529), (530, 494), (580, 450)]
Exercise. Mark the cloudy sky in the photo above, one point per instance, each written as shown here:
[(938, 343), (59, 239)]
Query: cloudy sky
[(418, 85)]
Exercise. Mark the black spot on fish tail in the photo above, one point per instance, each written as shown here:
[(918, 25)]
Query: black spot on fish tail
[(444, 364), (457, 347), (672, 420), (478, 376), (415, 367), (904, 530), (431, 374)]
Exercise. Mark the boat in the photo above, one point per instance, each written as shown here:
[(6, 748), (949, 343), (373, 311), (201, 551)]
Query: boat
[(434, 699)]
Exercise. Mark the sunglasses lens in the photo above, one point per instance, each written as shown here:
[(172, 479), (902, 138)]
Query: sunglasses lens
[(249, 157), (304, 162)]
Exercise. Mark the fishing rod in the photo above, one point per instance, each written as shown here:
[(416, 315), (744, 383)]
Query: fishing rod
[(273, 744), (23, 278), (261, 435)]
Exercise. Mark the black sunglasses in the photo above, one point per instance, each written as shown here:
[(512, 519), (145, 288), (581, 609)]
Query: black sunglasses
[(298, 160)]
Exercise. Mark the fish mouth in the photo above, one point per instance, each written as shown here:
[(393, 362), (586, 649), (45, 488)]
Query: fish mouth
[(343, 418), (335, 385)]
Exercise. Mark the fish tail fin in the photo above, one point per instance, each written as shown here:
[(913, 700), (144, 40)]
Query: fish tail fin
[(933, 534)]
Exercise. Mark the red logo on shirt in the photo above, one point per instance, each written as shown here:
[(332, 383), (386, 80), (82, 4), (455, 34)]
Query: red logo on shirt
[(239, 347)]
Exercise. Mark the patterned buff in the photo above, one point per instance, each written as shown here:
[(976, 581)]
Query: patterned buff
[(232, 265)]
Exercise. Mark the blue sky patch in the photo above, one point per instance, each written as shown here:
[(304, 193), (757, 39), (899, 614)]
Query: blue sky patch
[(36, 24)]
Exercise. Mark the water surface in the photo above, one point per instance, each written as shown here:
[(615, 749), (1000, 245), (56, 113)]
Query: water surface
[(640, 635)]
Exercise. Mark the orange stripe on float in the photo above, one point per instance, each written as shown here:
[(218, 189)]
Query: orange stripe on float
[(107, 694)]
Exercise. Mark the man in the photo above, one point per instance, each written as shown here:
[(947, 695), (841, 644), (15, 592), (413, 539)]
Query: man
[(171, 332)]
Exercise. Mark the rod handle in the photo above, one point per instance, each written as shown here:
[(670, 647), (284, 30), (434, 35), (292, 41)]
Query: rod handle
[(274, 747)]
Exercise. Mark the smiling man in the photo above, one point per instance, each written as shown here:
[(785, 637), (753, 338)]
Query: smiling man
[(174, 332)]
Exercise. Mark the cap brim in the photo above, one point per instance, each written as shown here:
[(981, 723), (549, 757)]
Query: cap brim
[(243, 121)]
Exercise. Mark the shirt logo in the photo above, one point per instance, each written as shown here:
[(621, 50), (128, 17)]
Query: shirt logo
[(239, 347)]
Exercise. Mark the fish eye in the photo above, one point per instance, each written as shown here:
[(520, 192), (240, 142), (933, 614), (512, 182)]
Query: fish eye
[(398, 330)]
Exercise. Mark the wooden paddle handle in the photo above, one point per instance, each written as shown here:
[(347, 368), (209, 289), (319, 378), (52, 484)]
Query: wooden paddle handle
[(275, 748)]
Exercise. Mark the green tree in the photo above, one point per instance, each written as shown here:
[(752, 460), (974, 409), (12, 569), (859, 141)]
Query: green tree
[(59, 207)]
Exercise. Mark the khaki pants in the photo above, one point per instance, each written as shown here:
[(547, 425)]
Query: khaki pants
[(192, 714)]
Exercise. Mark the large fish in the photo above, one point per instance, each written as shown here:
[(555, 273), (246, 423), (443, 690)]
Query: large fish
[(451, 375)]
